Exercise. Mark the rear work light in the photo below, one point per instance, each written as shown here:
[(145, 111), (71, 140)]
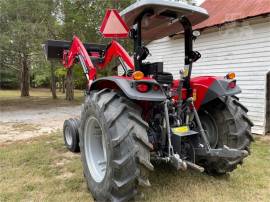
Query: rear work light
[(142, 87)]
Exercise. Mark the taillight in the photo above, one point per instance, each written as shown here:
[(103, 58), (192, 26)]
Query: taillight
[(142, 87), (232, 84)]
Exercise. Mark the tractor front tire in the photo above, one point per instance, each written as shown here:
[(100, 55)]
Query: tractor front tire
[(71, 134), (226, 124), (114, 145)]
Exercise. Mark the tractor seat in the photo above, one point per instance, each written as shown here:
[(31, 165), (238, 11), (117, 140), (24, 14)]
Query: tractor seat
[(156, 69)]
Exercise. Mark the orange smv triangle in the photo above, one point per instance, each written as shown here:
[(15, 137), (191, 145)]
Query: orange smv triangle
[(113, 26)]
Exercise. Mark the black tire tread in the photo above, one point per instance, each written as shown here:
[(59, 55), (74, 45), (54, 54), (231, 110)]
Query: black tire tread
[(132, 167), (234, 131), (74, 124)]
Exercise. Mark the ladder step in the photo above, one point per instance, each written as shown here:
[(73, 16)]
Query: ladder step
[(183, 134)]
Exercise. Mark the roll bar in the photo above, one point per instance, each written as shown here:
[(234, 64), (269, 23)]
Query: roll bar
[(190, 55), (188, 51)]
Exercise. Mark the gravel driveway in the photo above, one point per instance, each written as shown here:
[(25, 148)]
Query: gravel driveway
[(28, 123)]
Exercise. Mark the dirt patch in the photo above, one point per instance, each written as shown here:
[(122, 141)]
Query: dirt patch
[(13, 131), (65, 175), (29, 123), (22, 127)]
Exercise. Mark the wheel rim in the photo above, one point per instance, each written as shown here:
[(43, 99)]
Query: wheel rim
[(95, 149), (210, 127), (68, 136)]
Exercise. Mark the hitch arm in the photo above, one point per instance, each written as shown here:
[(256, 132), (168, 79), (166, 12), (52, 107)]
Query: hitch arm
[(214, 154)]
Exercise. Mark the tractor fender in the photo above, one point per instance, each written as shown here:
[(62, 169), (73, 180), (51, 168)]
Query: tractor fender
[(209, 88), (128, 86)]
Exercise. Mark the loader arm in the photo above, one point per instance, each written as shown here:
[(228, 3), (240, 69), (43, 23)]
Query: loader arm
[(69, 51), (114, 50), (77, 49)]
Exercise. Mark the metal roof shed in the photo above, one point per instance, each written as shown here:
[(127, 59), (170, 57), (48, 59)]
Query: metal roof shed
[(236, 37)]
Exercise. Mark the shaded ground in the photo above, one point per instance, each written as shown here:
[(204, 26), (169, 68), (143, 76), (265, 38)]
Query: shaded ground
[(22, 118), (41, 169)]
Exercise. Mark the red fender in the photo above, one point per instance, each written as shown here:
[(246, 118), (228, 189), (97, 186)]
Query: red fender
[(200, 85), (207, 88)]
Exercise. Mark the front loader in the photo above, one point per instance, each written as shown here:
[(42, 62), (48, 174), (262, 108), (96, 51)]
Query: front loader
[(145, 116)]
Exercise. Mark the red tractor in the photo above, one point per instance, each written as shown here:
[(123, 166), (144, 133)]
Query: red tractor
[(130, 122)]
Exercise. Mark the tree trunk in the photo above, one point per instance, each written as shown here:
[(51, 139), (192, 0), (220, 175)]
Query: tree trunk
[(60, 85), (63, 85), (69, 86), (53, 84), (25, 76)]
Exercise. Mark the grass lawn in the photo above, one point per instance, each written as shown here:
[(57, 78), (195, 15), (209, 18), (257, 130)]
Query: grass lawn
[(42, 169), (40, 97), (35, 92)]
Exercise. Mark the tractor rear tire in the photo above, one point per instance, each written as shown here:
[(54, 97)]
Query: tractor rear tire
[(115, 151), (227, 118)]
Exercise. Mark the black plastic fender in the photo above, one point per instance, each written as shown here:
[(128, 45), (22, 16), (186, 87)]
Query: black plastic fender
[(128, 87)]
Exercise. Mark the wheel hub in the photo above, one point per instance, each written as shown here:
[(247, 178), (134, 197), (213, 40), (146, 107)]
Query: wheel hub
[(95, 149), (68, 136)]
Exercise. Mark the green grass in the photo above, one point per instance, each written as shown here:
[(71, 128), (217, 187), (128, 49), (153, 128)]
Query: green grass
[(42, 169), (34, 92), (39, 98)]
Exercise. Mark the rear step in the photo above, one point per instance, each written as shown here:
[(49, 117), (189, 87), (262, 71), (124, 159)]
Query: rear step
[(183, 131)]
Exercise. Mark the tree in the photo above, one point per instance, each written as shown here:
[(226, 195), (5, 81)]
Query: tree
[(54, 29), (25, 74), (22, 30), (25, 25), (53, 81), (61, 75), (69, 85), (83, 18)]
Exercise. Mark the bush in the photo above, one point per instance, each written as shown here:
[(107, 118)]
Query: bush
[(9, 79)]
